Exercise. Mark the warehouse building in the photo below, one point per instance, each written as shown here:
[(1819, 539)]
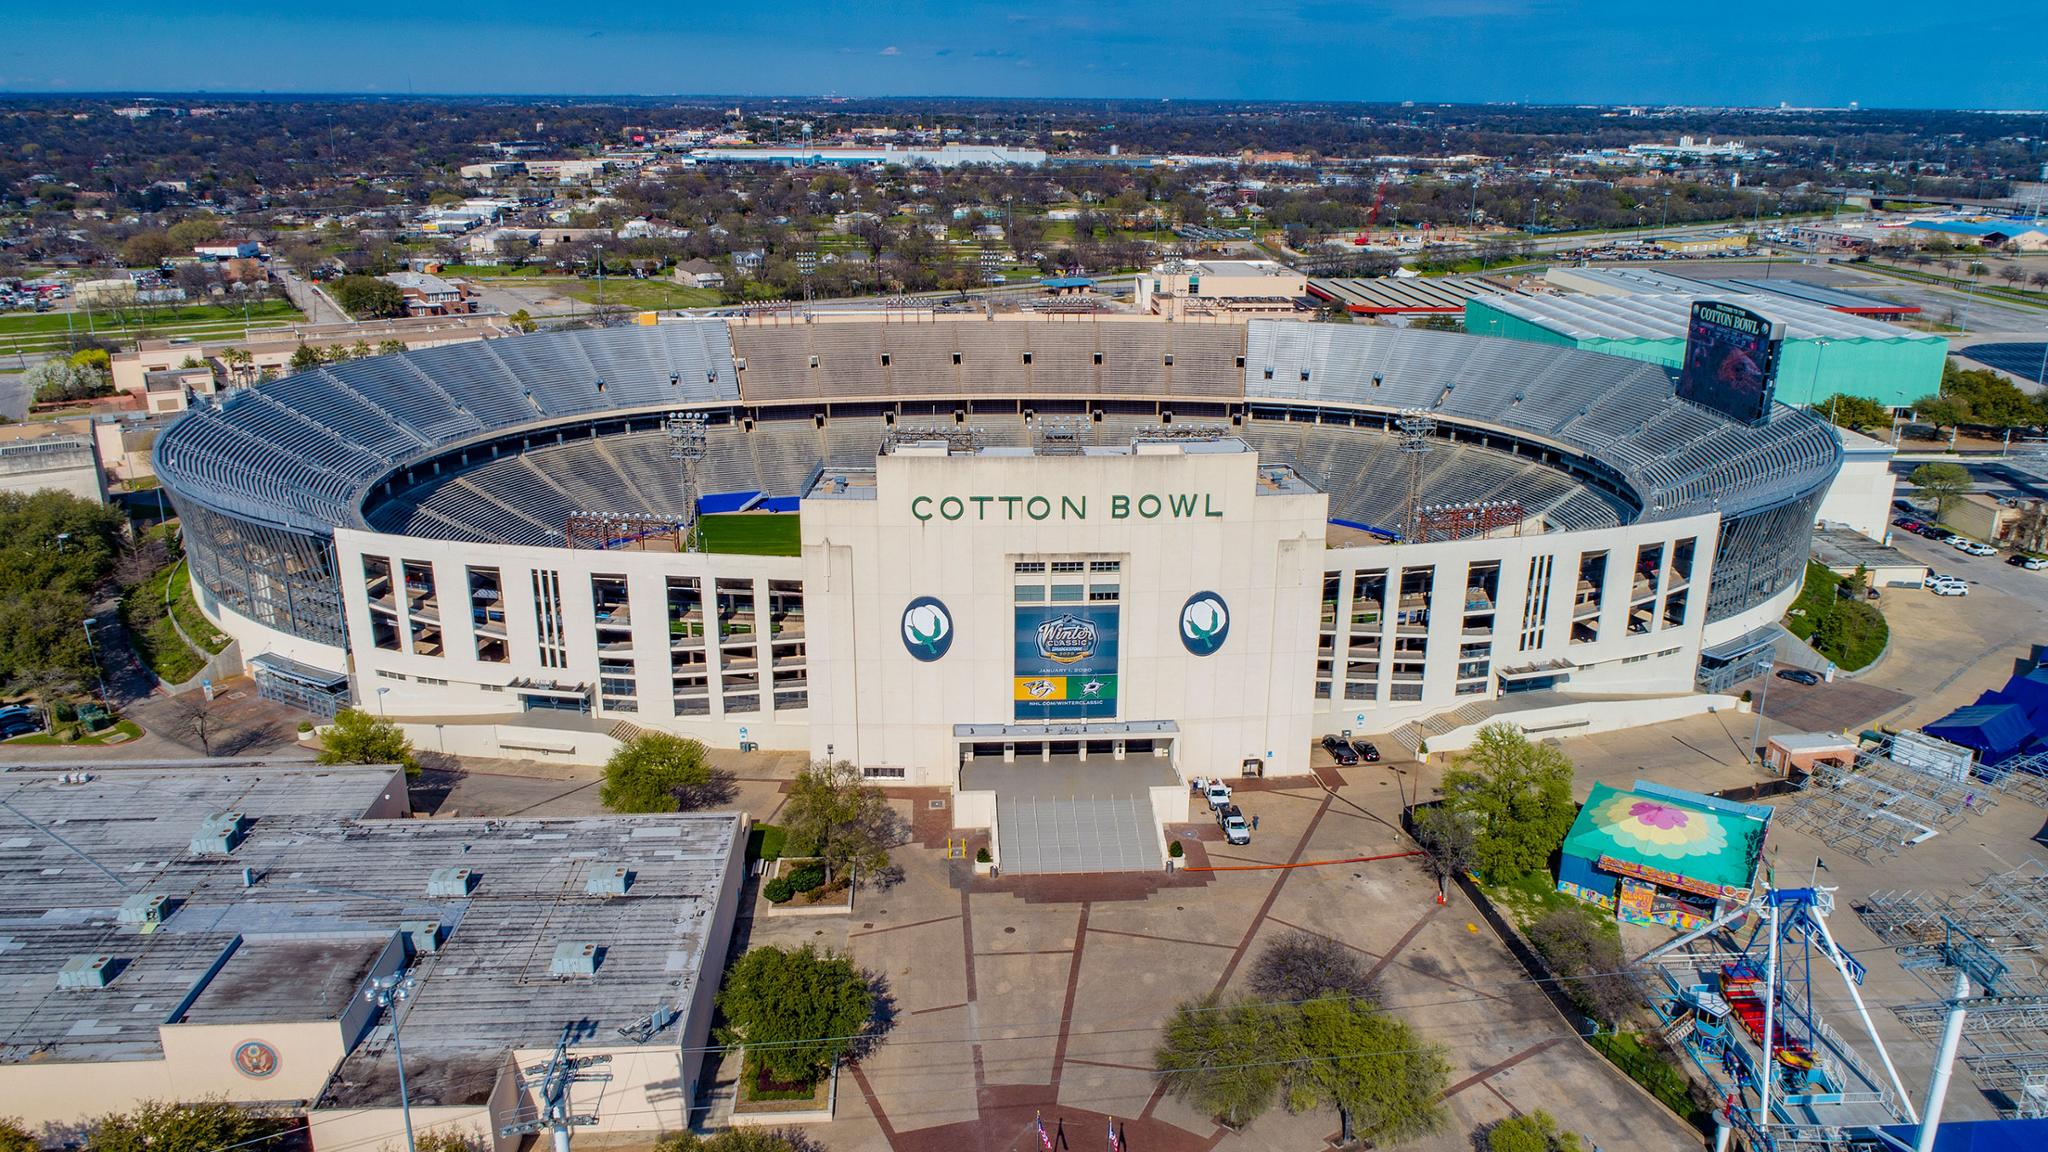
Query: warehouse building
[(1825, 352), (213, 931)]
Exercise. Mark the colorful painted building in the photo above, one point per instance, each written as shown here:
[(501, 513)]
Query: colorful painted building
[(1657, 855)]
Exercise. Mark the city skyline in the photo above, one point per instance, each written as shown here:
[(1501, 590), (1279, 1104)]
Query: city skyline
[(1467, 51)]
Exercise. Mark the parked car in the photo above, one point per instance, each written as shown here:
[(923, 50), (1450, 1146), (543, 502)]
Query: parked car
[(17, 711), (1366, 750), (1976, 549), (1929, 531), (1951, 588), (1339, 749), (1217, 793), (1798, 676), (1232, 821), (2030, 563), (20, 726)]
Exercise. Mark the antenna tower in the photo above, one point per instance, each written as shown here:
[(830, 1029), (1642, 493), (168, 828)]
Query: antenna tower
[(557, 1075), (1416, 429)]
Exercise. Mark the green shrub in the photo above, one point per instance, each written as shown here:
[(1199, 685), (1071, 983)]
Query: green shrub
[(778, 890), (65, 711), (1174, 849), (305, 726), (981, 855), (806, 877)]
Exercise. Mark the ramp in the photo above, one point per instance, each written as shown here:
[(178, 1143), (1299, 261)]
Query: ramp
[(1063, 815)]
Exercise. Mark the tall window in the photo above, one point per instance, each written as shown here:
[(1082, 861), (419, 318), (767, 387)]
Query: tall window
[(1536, 607), (547, 609)]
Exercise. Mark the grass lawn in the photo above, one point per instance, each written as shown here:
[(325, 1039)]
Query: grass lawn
[(764, 842), (645, 294), (156, 320), (1818, 599), (120, 732), (190, 618), (153, 636), (751, 533)]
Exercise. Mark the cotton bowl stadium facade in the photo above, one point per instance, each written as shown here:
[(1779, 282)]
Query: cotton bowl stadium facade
[(931, 544)]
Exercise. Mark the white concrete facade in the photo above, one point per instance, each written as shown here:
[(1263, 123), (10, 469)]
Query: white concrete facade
[(809, 652), (1860, 498)]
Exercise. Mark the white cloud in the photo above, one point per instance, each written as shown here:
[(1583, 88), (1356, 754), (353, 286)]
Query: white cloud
[(892, 50)]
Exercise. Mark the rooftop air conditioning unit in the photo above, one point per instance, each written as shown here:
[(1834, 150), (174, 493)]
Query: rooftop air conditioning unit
[(218, 834), (575, 958), (608, 881), (143, 908), (450, 882), (87, 972), (421, 936)]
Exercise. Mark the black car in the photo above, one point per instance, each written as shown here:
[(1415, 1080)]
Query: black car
[(1929, 531), (1798, 676), (1340, 750), (19, 726), (1366, 751)]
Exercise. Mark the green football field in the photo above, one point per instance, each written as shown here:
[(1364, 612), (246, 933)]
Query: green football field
[(751, 533)]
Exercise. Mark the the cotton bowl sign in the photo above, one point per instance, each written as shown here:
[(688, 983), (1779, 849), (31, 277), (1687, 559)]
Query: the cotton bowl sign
[(1204, 623)]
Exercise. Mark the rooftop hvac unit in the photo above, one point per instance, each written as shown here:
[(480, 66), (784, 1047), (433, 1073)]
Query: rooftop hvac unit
[(218, 834), (143, 908), (87, 972), (575, 958), (608, 881), (421, 936), (450, 882)]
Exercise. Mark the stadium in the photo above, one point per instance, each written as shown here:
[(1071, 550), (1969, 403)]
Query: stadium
[(986, 553)]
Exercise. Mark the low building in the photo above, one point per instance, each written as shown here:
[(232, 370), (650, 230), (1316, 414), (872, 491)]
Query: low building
[(1702, 245), (270, 349), (430, 295), (229, 250), (1825, 352), (1800, 753), (57, 455), (1657, 855), (1249, 287), (1980, 517), (167, 390), (699, 274), (226, 943)]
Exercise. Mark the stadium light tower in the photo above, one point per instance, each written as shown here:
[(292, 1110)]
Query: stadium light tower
[(1415, 427), (687, 442)]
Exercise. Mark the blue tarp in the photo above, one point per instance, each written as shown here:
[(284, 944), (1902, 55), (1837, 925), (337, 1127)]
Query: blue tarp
[(1994, 731), (782, 504), (713, 503), (1977, 1135)]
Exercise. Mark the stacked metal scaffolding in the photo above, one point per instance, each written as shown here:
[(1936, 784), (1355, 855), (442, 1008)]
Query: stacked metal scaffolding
[(2006, 1029), (961, 438), (1877, 806)]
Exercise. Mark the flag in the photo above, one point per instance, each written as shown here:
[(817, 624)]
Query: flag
[(1115, 1145), (1043, 1139)]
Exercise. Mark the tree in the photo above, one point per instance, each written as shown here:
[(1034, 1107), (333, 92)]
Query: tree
[(1943, 481), (1585, 955), (1216, 1059), (58, 380), (1531, 1132), (450, 1140), (186, 235), (367, 297), (1517, 798), (1302, 966), (55, 549), (192, 714), (652, 771), (1448, 839), (156, 1126), (1942, 411), (522, 320), (833, 815), (1854, 412), (390, 347), (356, 737), (1385, 1082), (795, 1010), (305, 358), (147, 249)]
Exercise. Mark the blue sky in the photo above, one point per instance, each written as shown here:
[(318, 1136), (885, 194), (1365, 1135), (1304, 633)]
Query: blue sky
[(1820, 52)]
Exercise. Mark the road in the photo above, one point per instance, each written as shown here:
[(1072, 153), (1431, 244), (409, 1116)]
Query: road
[(310, 298)]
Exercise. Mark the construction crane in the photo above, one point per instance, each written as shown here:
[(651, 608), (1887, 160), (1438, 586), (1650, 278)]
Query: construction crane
[(556, 1077)]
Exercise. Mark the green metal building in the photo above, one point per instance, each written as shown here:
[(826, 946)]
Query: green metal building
[(1825, 352)]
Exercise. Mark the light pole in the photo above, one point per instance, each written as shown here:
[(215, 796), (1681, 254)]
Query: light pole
[(1756, 740), (388, 993), (600, 276), (380, 702), (94, 650)]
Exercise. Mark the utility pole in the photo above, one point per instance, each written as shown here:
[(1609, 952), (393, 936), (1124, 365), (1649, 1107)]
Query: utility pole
[(98, 673), (390, 993), (557, 1075)]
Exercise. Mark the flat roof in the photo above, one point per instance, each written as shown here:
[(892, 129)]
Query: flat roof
[(1664, 316), (1388, 295), (1839, 547), (328, 891), (1685, 834)]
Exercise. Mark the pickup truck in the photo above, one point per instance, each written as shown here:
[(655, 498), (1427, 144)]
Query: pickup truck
[(1217, 793), (1232, 821)]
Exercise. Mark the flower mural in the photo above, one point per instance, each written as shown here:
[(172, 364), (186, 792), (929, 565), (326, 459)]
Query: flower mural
[(1659, 830)]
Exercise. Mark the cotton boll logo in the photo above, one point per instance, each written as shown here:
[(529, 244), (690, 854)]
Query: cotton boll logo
[(927, 629), (1204, 623)]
